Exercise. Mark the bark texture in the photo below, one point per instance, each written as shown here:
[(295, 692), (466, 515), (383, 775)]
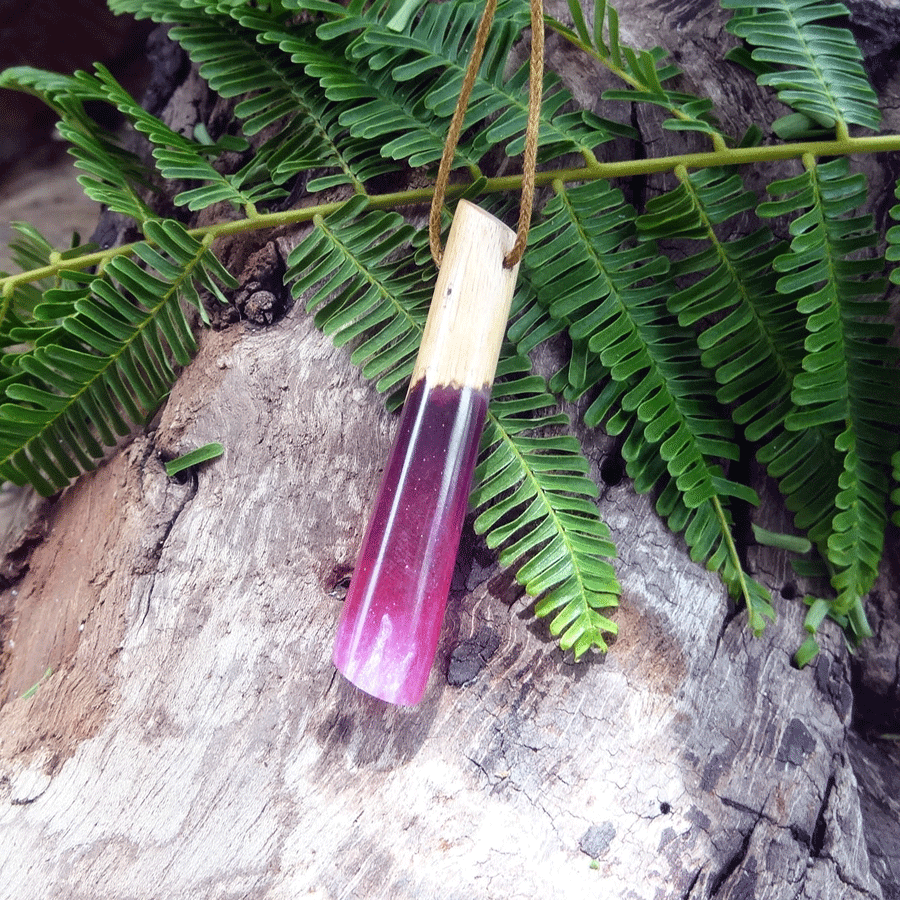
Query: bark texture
[(194, 741)]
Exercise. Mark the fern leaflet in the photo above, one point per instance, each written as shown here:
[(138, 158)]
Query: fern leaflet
[(437, 42), (113, 175), (754, 341), (540, 507), (645, 71), (225, 44), (651, 384), (893, 239)]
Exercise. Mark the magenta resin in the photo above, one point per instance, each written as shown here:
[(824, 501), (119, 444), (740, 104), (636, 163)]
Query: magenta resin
[(391, 621), (392, 616)]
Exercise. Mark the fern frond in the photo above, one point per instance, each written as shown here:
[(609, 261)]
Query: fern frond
[(374, 108), (102, 354), (426, 60), (837, 284), (707, 529), (530, 323), (645, 71), (233, 47), (849, 378), (116, 173), (181, 159), (821, 73), (753, 343), (537, 503), (31, 251), (611, 290), (706, 526), (750, 335), (113, 175), (294, 79), (895, 494), (315, 140), (345, 273), (28, 250)]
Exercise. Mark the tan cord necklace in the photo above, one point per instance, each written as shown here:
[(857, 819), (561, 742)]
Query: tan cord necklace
[(529, 163)]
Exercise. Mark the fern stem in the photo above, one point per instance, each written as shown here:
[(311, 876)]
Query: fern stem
[(859, 622), (741, 582), (77, 264), (731, 156)]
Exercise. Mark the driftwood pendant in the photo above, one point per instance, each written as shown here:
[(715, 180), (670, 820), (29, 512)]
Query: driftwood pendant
[(391, 620)]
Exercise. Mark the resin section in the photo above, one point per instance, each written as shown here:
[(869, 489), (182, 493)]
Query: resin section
[(391, 621)]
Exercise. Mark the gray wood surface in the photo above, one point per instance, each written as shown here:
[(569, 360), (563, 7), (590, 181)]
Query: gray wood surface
[(194, 740)]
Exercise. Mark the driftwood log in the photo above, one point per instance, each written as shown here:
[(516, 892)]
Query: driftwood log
[(194, 741)]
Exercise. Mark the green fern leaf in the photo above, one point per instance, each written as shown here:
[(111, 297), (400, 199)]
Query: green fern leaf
[(651, 383), (748, 346), (112, 175), (375, 109), (613, 294), (893, 239), (108, 362), (233, 48), (345, 273), (750, 337), (179, 158), (437, 44), (895, 494), (824, 78), (194, 458), (706, 526), (312, 137), (29, 250), (538, 505), (645, 71), (849, 378)]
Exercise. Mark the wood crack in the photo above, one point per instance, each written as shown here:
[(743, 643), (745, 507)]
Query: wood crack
[(734, 863), (163, 538)]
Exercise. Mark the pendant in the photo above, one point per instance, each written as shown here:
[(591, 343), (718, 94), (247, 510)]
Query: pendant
[(391, 621)]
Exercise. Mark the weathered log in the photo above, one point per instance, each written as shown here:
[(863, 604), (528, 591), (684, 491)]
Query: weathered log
[(194, 740)]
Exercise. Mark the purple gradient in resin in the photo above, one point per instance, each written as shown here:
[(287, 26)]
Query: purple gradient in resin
[(391, 621)]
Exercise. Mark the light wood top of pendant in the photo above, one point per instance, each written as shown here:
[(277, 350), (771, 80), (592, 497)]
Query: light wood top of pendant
[(470, 306)]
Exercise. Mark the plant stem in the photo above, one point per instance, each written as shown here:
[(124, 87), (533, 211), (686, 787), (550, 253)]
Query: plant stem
[(741, 581), (732, 156)]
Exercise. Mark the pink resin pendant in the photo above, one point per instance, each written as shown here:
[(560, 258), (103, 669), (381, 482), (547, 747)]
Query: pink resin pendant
[(391, 621), (392, 616)]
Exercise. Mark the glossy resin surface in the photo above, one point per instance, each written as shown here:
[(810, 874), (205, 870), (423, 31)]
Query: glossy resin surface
[(391, 621)]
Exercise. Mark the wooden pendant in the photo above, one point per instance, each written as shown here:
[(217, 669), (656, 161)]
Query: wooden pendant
[(391, 621)]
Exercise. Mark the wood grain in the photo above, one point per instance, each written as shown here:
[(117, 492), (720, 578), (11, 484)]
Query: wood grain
[(472, 295)]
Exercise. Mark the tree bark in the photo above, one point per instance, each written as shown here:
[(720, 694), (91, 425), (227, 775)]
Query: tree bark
[(194, 740)]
